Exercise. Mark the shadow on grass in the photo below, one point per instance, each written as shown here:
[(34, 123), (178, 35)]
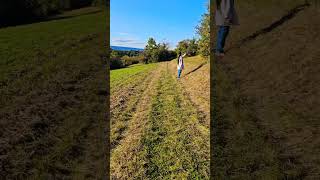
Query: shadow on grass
[(195, 69)]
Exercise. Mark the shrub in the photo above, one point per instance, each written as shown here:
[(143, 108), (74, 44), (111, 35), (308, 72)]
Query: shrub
[(127, 60), (116, 63)]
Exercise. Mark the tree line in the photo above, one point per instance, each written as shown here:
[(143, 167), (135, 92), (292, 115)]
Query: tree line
[(121, 59), (152, 53), (203, 30), (14, 12), (157, 52)]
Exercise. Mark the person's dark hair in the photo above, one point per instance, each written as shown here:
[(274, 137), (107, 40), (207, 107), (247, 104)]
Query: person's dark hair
[(179, 54), (218, 2)]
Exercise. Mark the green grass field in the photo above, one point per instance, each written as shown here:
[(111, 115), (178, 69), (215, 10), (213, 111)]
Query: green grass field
[(53, 97), (158, 131), (120, 76), (27, 43)]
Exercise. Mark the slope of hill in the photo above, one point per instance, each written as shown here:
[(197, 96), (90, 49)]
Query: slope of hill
[(159, 125), (53, 98), (267, 100)]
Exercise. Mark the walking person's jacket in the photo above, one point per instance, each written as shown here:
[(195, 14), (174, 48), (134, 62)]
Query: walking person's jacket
[(180, 62), (225, 14)]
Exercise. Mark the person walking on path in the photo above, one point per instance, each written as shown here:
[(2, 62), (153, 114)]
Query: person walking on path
[(225, 16), (180, 65)]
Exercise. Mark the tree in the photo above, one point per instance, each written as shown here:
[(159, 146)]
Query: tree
[(182, 46), (163, 52), (158, 52), (193, 47), (114, 54), (149, 51), (204, 31), (189, 46), (14, 12)]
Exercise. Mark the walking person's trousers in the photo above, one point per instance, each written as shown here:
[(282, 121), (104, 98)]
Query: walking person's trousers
[(179, 73), (222, 35)]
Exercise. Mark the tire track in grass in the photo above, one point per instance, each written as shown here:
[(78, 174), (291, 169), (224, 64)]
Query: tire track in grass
[(123, 77), (131, 97), (176, 145), (196, 86), (120, 85), (128, 158), (192, 97), (164, 138)]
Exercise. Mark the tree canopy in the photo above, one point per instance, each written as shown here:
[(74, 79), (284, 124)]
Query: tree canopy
[(203, 29), (158, 52), (189, 46)]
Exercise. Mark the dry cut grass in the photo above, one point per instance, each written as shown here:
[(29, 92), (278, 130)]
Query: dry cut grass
[(165, 136)]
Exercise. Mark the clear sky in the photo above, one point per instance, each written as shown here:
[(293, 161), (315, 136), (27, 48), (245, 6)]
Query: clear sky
[(134, 21)]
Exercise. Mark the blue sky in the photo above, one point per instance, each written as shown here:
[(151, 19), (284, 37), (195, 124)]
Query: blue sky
[(134, 21)]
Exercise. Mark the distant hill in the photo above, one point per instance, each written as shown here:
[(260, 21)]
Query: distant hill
[(120, 48)]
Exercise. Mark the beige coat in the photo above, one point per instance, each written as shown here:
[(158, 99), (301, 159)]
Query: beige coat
[(226, 14)]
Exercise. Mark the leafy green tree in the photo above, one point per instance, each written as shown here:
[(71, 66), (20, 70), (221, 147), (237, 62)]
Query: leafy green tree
[(157, 52), (114, 54), (182, 46), (189, 46), (192, 49), (163, 52), (14, 12), (204, 31), (150, 50)]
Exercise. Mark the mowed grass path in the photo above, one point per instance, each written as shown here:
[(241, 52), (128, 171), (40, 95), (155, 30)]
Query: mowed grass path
[(158, 133)]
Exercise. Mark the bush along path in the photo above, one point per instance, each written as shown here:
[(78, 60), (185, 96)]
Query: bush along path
[(164, 137)]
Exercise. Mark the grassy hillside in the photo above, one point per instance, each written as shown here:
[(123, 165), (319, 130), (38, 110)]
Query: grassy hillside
[(53, 97), (266, 95), (159, 129)]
